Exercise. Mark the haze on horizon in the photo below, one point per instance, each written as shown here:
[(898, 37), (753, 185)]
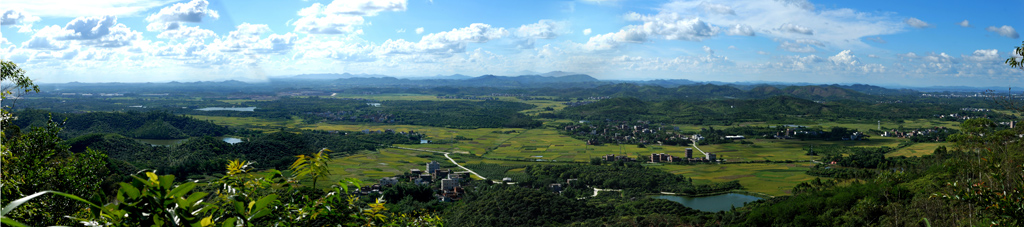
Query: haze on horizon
[(917, 43)]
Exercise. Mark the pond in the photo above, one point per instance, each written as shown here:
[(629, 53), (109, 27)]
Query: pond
[(242, 109), (153, 142), (713, 203)]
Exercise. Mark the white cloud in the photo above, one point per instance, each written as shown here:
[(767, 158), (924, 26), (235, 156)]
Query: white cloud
[(587, 31), (709, 50), (792, 28), (44, 43), (672, 26), (419, 30), (741, 30), (1005, 30), (843, 27), (190, 12), (95, 31), (796, 47), (543, 29), (76, 8), (718, 8), (872, 56), (917, 23), (186, 32), (983, 55), (402, 30), (844, 58), (964, 23), (12, 17), (342, 16), (444, 43), (940, 58)]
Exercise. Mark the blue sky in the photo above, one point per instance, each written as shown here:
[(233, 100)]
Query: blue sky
[(916, 43)]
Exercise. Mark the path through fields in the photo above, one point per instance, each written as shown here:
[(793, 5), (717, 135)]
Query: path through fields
[(446, 156)]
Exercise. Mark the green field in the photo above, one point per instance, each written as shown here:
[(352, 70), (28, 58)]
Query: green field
[(545, 145), (773, 179), (371, 166), (918, 149)]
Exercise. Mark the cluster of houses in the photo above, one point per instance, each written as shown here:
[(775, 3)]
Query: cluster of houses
[(449, 187), (629, 133), (915, 132), (663, 157)]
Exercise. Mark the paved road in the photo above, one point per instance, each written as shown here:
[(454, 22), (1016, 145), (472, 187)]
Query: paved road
[(446, 156)]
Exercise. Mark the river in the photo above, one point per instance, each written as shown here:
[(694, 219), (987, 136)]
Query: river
[(713, 203)]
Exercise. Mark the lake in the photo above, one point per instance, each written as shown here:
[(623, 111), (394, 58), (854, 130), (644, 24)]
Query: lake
[(231, 140), (242, 109), (713, 203)]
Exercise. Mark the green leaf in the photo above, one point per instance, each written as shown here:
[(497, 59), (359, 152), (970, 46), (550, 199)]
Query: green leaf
[(239, 207), (263, 202), (166, 181), (230, 222), (182, 189), (16, 203), (11, 222), (130, 190), (192, 199), (261, 213)]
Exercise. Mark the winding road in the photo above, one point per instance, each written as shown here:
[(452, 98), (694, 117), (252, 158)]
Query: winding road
[(446, 156)]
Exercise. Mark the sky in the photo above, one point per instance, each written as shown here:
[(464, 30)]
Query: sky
[(906, 42)]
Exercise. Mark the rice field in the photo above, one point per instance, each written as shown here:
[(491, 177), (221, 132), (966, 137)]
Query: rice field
[(775, 179), (918, 149)]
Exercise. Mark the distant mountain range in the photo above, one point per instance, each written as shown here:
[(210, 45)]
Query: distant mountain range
[(554, 79)]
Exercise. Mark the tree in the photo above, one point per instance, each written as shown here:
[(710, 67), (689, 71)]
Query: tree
[(38, 160), (313, 165), (1016, 60)]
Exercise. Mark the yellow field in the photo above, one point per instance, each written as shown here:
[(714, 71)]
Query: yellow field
[(918, 149)]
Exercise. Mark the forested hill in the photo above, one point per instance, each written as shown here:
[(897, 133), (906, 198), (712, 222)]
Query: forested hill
[(830, 92), (778, 109), (140, 125)]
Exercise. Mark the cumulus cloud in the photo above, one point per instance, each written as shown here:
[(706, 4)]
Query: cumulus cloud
[(342, 16), (964, 23), (12, 17), (709, 50), (1005, 30), (444, 43), (792, 28), (794, 19), (908, 55), (917, 23), (844, 58), (543, 29), (740, 30), (983, 55), (587, 31), (44, 43), (95, 31), (246, 39), (419, 30), (669, 26), (190, 12)]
